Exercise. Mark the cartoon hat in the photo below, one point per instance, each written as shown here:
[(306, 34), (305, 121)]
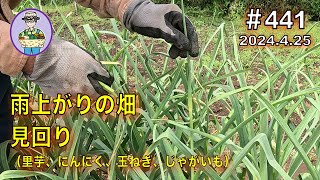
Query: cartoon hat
[(31, 15), (5, 9)]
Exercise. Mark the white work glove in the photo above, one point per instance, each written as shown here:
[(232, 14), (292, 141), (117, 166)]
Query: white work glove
[(66, 68)]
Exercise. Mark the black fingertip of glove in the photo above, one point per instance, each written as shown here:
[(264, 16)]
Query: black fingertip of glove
[(183, 54), (195, 53), (180, 39), (174, 52), (94, 79), (176, 19), (194, 45)]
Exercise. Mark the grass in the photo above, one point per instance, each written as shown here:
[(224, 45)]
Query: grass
[(260, 105)]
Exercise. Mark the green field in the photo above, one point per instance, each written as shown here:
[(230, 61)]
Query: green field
[(258, 106)]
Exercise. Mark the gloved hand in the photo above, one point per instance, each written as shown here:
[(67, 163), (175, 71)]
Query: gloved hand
[(162, 21), (66, 68)]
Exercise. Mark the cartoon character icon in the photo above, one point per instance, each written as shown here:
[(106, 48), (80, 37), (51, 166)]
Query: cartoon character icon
[(31, 39)]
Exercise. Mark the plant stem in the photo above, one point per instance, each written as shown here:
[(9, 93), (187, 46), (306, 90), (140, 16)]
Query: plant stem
[(190, 71)]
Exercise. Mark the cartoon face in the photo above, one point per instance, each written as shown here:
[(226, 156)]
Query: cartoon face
[(31, 19), (30, 23)]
